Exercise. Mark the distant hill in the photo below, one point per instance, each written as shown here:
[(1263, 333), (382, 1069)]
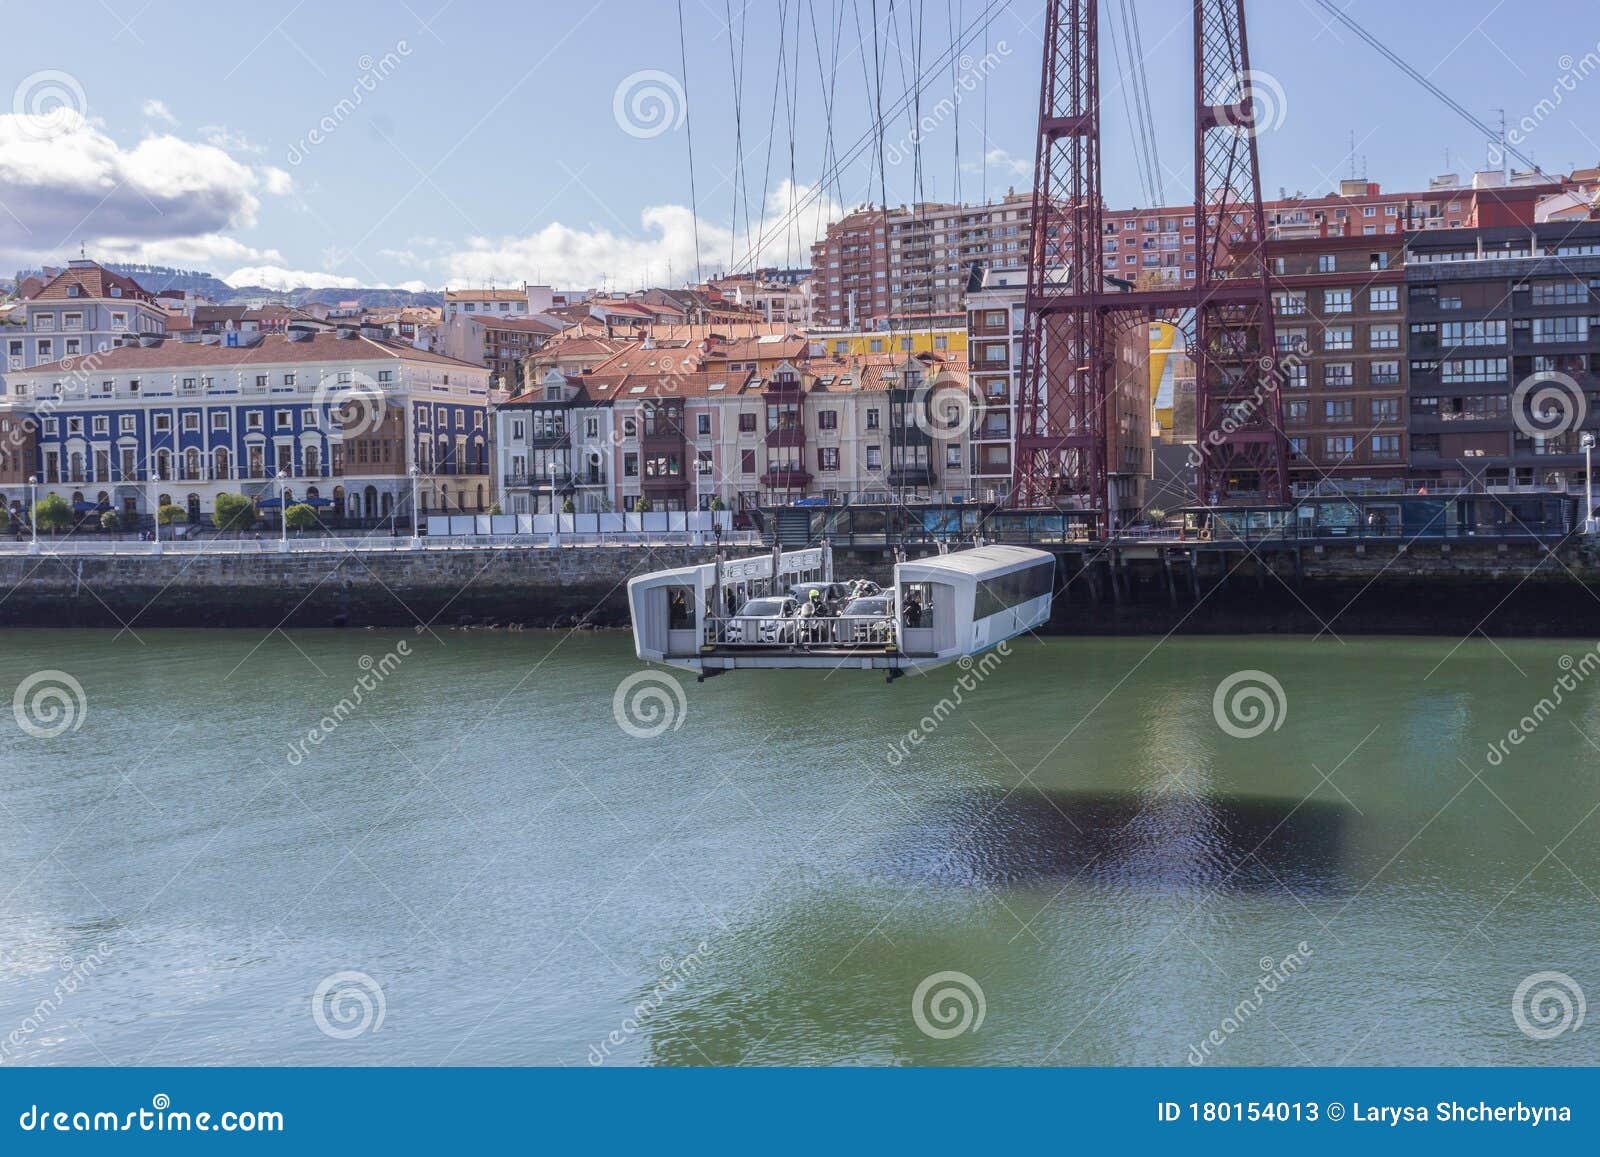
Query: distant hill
[(156, 278)]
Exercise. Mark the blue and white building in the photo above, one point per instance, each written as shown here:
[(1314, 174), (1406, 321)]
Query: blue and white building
[(347, 420), (83, 309)]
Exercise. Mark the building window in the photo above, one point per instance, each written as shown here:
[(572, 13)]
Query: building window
[(1471, 333), (630, 465), (872, 418), (1385, 373), (1339, 337), (162, 423), (1384, 337), (1338, 410), (1340, 446), (1383, 299), (702, 425), (827, 458), (1336, 301), (219, 419), (747, 423)]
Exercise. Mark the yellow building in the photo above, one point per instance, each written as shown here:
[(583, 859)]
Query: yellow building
[(1163, 335), (878, 341)]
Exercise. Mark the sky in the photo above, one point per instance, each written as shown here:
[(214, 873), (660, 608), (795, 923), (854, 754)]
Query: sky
[(432, 143)]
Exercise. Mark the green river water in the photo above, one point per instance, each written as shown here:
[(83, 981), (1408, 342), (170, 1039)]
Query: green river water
[(1072, 862)]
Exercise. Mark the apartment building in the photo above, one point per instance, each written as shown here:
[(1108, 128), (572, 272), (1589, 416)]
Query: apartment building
[(876, 265), (912, 261), (554, 444), (1502, 340), (343, 417), (83, 309), (997, 324), (1339, 317), (995, 329), (503, 302), (498, 342)]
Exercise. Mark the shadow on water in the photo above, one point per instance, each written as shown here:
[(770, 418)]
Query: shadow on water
[(1157, 841)]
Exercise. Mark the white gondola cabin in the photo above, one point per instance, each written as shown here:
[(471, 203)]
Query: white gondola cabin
[(939, 609)]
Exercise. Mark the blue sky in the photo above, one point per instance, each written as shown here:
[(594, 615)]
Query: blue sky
[(489, 142)]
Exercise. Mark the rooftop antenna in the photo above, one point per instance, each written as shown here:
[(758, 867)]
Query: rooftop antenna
[(1352, 154), (1497, 147)]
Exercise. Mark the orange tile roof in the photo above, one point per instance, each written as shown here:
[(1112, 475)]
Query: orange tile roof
[(92, 281)]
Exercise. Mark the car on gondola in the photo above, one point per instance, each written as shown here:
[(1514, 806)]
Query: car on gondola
[(871, 618), (764, 620)]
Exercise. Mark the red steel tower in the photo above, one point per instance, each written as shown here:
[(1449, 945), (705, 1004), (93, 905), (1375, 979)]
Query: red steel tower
[(1073, 313)]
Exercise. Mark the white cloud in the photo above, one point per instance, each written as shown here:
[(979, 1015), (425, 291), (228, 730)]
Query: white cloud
[(278, 182), (583, 257), (206, 251), (277, 277), (997, 158), (227, 139), (68, 181), (156, 110)]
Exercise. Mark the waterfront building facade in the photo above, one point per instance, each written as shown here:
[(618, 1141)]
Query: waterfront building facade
[(343, 416), (84, 309), (1340, 322), (1502, 341)]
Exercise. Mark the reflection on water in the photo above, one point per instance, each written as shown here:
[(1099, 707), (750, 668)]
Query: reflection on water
[(1162, 840)]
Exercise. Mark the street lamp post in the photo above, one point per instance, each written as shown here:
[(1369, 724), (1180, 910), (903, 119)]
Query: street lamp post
[(416, 536), (33, 514), (701, 469), (555, 518), (1586, 440), (283, 515)]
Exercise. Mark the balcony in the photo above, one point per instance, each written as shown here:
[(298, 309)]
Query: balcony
[(786, 478), (912, 476), (664, 482), (789, 436), (562, 476), (549, 438)]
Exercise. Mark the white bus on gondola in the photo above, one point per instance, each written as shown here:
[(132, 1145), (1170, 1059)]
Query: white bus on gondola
[(938, 609)]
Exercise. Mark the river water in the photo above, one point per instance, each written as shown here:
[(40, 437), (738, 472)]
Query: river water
[(1069, 855)]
